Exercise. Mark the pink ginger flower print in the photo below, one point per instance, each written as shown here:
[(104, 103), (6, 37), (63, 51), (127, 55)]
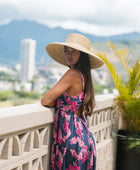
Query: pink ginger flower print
[(93, 146), (64, 127), (72, 108), (60, 157), (57, 150), (67, 135), (85, 156), (52, 149), (56, 118), (64, 151), (74, 153), (66, 108), (54, 135), (78, 131), (59, 136), (90, 164), (67, 117), (63, 113), (75, 105), (52, 159), (58, 103), (85, 123), (74, 166), (81, 96), (59, 164), (74, 140), (57, 111), (79, 126), (80, 155), (81, 143), (70, 102)]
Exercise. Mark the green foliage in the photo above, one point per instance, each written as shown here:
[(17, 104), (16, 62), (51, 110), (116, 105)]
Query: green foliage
[(5, 95), (32, 95), (128, 100), (99, 88), (21, 101), (19, 98), (133, 142)]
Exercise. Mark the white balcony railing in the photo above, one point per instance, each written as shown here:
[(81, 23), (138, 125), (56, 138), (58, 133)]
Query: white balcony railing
[(26, 136)]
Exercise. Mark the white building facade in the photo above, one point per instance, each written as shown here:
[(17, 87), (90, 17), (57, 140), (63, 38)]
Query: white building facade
[(27, 59)]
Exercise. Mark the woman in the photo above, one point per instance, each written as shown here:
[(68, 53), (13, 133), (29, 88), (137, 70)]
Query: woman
[(73, 97)]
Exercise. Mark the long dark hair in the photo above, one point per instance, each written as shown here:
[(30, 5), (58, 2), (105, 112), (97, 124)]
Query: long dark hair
[(83, 65)]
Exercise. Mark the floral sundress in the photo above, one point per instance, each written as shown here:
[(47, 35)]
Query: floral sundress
[(73, 146)]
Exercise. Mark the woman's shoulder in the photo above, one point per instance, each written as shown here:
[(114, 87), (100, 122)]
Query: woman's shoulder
[(72, 72), (72, 75)]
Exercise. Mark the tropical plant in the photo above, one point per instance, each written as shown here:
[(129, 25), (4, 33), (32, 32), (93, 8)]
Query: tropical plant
[(128, 100), (133, 142)]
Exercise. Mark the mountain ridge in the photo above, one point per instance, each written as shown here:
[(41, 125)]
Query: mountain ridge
[(12, 33)]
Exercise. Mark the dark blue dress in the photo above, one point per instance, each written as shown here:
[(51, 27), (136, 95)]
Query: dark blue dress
[(73, 145)]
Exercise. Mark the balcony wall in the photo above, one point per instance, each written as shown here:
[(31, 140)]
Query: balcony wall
[(26, 136)]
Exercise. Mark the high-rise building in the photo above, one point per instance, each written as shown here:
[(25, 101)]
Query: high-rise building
[(27, 59)]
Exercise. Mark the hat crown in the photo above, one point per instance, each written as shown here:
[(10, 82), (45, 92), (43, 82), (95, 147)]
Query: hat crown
[(78, 40)]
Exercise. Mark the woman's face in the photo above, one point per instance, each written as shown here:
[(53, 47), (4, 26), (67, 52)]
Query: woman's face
[(72, 56)]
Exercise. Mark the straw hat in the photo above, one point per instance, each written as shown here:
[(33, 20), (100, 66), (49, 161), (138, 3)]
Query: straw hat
[(78, 42)]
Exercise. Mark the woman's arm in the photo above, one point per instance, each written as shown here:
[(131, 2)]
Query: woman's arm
[(61, 86)]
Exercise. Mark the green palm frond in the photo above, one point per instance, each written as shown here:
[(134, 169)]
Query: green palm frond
[(122, 55), (134, 79), (128, 100), (133, 142), (121, 87)]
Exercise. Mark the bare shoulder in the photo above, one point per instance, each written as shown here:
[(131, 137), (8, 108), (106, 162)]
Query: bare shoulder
[(71, 75), (72, 72)]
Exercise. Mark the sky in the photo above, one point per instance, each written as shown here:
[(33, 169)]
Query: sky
[(97, 17)]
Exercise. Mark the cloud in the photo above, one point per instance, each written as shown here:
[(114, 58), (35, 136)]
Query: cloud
[(103, 17), (8, 12)]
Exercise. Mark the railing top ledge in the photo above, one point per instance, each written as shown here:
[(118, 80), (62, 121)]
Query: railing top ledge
[(22, 110), (104, 101), (22, 117)]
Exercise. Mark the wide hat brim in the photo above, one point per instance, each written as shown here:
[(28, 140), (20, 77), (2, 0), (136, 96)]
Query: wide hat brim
[(56, 52)]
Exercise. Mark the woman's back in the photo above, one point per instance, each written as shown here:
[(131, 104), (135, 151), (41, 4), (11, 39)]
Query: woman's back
[(73, 144)]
